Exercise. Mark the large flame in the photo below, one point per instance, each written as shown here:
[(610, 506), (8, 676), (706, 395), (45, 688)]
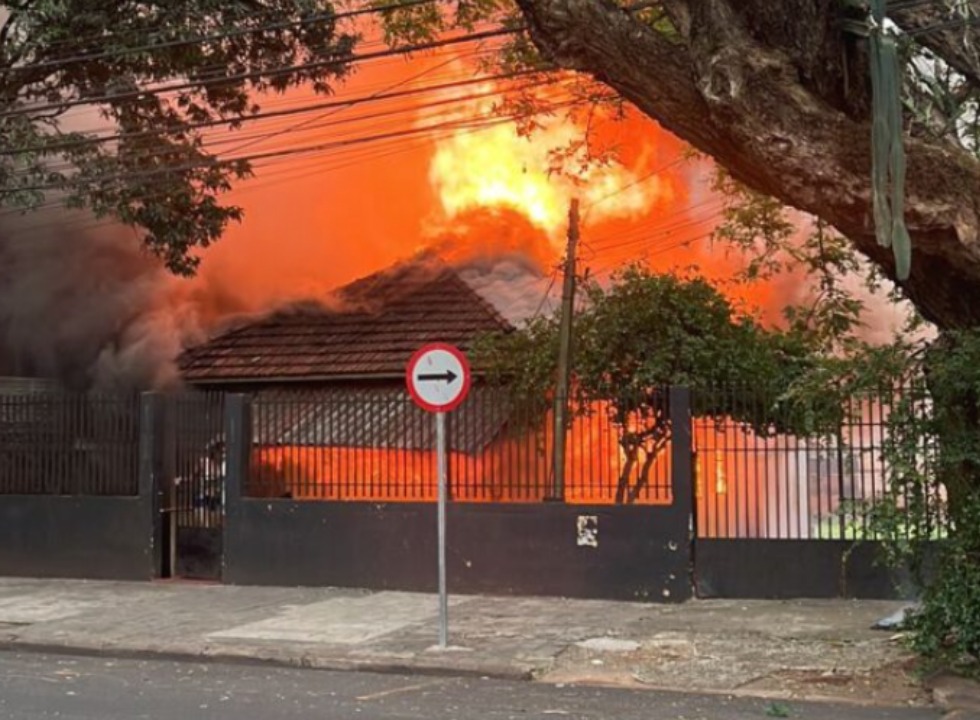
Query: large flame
[(537, 176)]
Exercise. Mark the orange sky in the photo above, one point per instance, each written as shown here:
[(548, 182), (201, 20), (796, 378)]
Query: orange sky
[(313, 222)]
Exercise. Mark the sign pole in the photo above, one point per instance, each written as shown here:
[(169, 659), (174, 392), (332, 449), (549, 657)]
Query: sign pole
[(438, 378), (442, 479)]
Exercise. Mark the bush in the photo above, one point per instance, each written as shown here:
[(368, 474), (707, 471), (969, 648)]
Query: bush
[(947, 628)]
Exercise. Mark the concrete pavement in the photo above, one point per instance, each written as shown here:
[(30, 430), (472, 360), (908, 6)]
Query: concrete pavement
[(771, 649)]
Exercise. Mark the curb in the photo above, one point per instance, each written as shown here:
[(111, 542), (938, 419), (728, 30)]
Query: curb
[(958, 697), (306, 662)]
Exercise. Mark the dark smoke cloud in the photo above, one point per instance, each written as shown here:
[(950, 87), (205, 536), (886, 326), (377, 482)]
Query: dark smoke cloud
[(81, 302)]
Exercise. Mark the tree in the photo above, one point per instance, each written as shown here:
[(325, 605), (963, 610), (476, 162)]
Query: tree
[(778, 93), (638, 336), (160, 73)]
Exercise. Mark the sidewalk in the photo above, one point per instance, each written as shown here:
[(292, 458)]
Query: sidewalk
[(791, 650)]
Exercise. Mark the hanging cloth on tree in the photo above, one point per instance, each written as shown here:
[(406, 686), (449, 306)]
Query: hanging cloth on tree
[(888, 151)]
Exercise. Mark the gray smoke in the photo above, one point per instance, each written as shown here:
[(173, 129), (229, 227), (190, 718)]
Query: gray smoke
[(83, 303), (513, 285)]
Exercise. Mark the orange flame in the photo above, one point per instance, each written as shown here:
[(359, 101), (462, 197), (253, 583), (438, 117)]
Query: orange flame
[(499, 167), (516, 467)]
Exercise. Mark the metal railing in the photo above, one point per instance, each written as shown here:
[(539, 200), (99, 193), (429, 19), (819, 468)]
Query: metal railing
[(768, 483), (56, 443), (376, 445), (373, 444), (194, 457)]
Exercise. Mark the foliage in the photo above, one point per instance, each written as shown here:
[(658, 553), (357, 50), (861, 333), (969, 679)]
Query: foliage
[(933, 391), (947, 627), (641, 334), (762, 229), (930, 515), (156, 171), (777, 710)]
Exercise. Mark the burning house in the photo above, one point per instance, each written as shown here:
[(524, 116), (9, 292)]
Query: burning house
[(363, 335), (331, 419)]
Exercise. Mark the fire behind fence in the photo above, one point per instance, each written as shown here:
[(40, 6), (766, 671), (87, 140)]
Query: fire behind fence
[(376, 445), (755, 480), (373, 444)]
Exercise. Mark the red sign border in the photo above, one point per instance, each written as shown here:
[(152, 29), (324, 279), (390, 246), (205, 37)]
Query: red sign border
[(410, 375)]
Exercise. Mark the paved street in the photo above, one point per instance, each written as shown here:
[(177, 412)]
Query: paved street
[(39, 687)]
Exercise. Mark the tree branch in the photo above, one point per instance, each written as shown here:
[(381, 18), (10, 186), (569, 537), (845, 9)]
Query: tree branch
[(743, 102), (955, 45)]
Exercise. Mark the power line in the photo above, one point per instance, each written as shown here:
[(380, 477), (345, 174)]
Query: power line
[(212, 160), (269, 73), (546, 296), (397, 146), (638, 235), (639, 181), (288, 112), (373, 96), (147, 48), (660, 250), (161, 29), (280, 100), (459, 124)]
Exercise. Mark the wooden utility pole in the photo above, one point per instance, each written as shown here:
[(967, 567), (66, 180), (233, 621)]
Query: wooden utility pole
[(565, 353)]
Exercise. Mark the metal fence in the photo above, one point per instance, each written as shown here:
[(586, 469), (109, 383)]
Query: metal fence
[(757, 482), (194, 458), (56, 443), (376, 445), (373, 444)]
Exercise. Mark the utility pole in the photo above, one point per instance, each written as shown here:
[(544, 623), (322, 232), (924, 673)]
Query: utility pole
[(565, 353)]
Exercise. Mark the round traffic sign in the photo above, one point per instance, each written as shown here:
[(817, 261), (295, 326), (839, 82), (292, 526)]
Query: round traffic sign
[(438, 377)]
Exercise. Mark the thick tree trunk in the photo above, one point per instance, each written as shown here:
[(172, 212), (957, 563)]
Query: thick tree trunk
[(768, 90)]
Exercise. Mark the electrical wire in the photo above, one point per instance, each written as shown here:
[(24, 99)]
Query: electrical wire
[(287, 112), (201, 39), (460, 125), (265, 74), (212, 161)]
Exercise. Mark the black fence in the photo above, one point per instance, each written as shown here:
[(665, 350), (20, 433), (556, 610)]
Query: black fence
[(759, 491), (375, 444), (194, 458), (754, 478), (76, 493), (751, 479), (54, 443), (571, 549)]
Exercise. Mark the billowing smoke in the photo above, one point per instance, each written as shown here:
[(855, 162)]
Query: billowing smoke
[(81, 302), (514, 286), (504, 257)]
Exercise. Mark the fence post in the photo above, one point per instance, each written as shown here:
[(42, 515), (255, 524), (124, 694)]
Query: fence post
[(681, 451), (149, 485), (238, 447)]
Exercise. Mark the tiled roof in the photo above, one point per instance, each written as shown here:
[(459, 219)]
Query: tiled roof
[(372, 329)]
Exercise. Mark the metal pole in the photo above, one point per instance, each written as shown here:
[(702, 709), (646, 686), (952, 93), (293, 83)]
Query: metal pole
[(442, 477)]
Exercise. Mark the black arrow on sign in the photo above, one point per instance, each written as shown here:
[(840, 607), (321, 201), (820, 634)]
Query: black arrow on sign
[(447, 376)]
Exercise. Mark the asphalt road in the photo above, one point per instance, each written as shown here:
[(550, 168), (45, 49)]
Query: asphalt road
[(39, 687)]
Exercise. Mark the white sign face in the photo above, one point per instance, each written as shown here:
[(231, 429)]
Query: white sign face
[(438, 377)]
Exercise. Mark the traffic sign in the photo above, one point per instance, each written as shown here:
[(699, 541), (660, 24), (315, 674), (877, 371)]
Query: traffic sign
[(438, 377)]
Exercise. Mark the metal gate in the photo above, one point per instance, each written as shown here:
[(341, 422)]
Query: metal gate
[(193, 484)]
